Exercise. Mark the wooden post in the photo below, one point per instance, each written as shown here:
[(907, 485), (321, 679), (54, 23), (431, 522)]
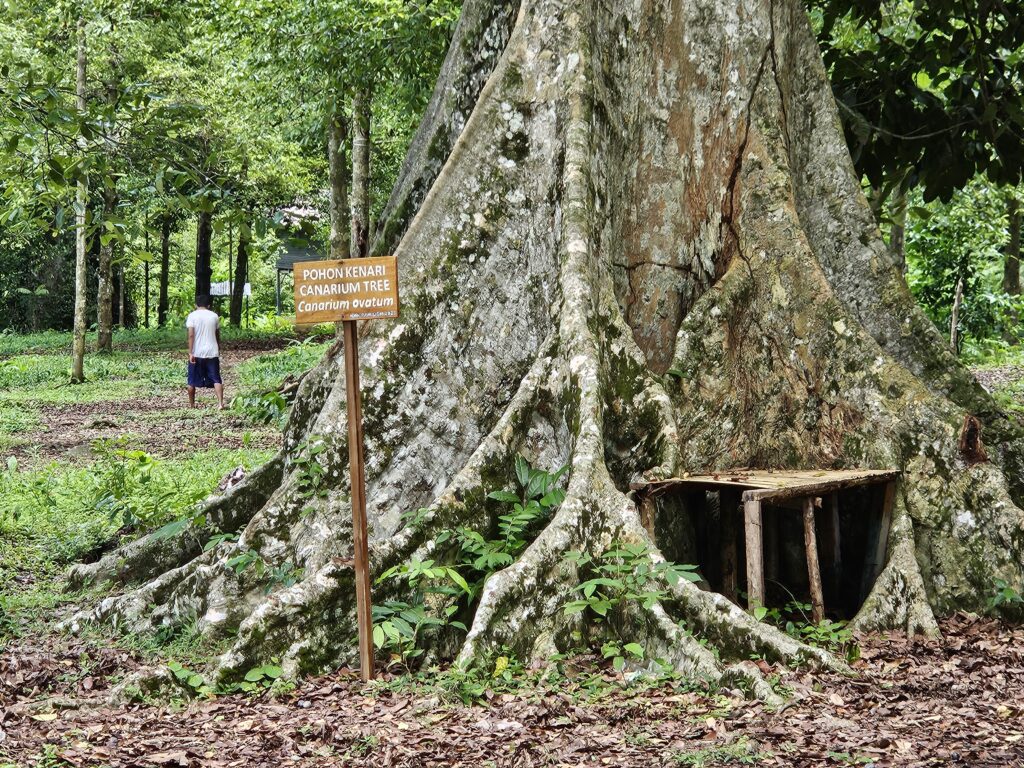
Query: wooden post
[(358, 483), (831, 553), (647, 510), (878, 539), (729, 507), (813, 567), (755, 559), (770, 543)]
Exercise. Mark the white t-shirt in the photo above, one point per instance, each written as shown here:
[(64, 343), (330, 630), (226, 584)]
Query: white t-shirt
[(205, 324)]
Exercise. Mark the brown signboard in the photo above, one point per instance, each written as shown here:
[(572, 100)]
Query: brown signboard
[(349, 289)]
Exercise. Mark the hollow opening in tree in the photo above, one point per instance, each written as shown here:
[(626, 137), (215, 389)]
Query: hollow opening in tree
[(705, 520)]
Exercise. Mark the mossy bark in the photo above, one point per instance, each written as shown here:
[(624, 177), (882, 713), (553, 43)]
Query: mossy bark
[(642, 251)]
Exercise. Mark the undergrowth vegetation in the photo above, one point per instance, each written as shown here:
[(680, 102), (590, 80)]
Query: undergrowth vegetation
[(443, 594), (58, 514), (55, 512)]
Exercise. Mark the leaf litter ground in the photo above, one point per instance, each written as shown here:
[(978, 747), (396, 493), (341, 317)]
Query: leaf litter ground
[(954, 701)]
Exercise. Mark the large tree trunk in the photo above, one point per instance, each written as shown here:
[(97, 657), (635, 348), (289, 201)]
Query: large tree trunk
[(204, 253), (165, 271), (643, 252), (105, 284), (81, 209), (241, 274)]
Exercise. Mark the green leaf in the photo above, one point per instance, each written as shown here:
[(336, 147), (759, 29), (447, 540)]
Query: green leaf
[(457, 578), (254, 675), (553, 498), (522, 471), (170, 529), (273, 672), (635, 649), (505, 496)]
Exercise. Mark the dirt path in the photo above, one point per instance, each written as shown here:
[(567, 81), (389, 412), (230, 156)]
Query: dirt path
[(159, 423), (958, 701)]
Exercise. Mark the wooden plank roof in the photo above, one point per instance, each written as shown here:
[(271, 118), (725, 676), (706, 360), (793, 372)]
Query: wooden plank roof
[(769, 484), (294, 251)]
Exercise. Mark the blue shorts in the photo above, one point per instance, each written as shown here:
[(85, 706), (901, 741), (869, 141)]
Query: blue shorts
[(204, 372)]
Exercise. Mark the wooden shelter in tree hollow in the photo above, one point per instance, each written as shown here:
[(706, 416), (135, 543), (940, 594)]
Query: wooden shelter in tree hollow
[(808, 491)]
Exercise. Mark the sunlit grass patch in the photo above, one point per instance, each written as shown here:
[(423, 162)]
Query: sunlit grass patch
[(266, 371), (58, 514)]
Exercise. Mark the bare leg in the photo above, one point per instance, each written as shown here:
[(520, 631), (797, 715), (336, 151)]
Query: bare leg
[(191, 397), (219, 389)]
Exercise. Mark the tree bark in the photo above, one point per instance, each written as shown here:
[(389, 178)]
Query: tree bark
[(954, 317), (165, 271), (146, 274), (898, 231), (641, 251), (105, 284), (105, 281), (241, 274), (361, 114), (204, 253), (120, 298), (81, 210), (337, 163)]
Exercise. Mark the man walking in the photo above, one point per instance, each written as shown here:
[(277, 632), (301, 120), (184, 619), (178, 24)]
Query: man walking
[(204, 351)]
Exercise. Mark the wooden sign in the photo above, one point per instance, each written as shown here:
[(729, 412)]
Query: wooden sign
[(346, 289), (349, 290)]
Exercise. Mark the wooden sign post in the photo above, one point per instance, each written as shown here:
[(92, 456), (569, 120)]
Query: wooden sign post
[(350, 290)]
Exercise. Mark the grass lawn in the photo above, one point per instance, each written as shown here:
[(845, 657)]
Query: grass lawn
[(85, 467)]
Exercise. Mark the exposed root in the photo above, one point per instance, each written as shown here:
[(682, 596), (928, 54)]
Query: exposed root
[(149, 556), (666, 640)]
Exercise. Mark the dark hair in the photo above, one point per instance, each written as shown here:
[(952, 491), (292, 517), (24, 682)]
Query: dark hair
[(203, 301)]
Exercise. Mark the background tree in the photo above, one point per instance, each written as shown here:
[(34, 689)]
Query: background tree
[(930, 94)]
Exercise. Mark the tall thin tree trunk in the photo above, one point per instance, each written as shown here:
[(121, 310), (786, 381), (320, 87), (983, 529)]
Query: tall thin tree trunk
[(231, 244), (204, 252), (954, 319), (337, 137), (81, 206), (361, 112), (1011, 263), (120, 299), (898, 232), (105, 286), (165, 270), (146, 274), (241, 273)]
